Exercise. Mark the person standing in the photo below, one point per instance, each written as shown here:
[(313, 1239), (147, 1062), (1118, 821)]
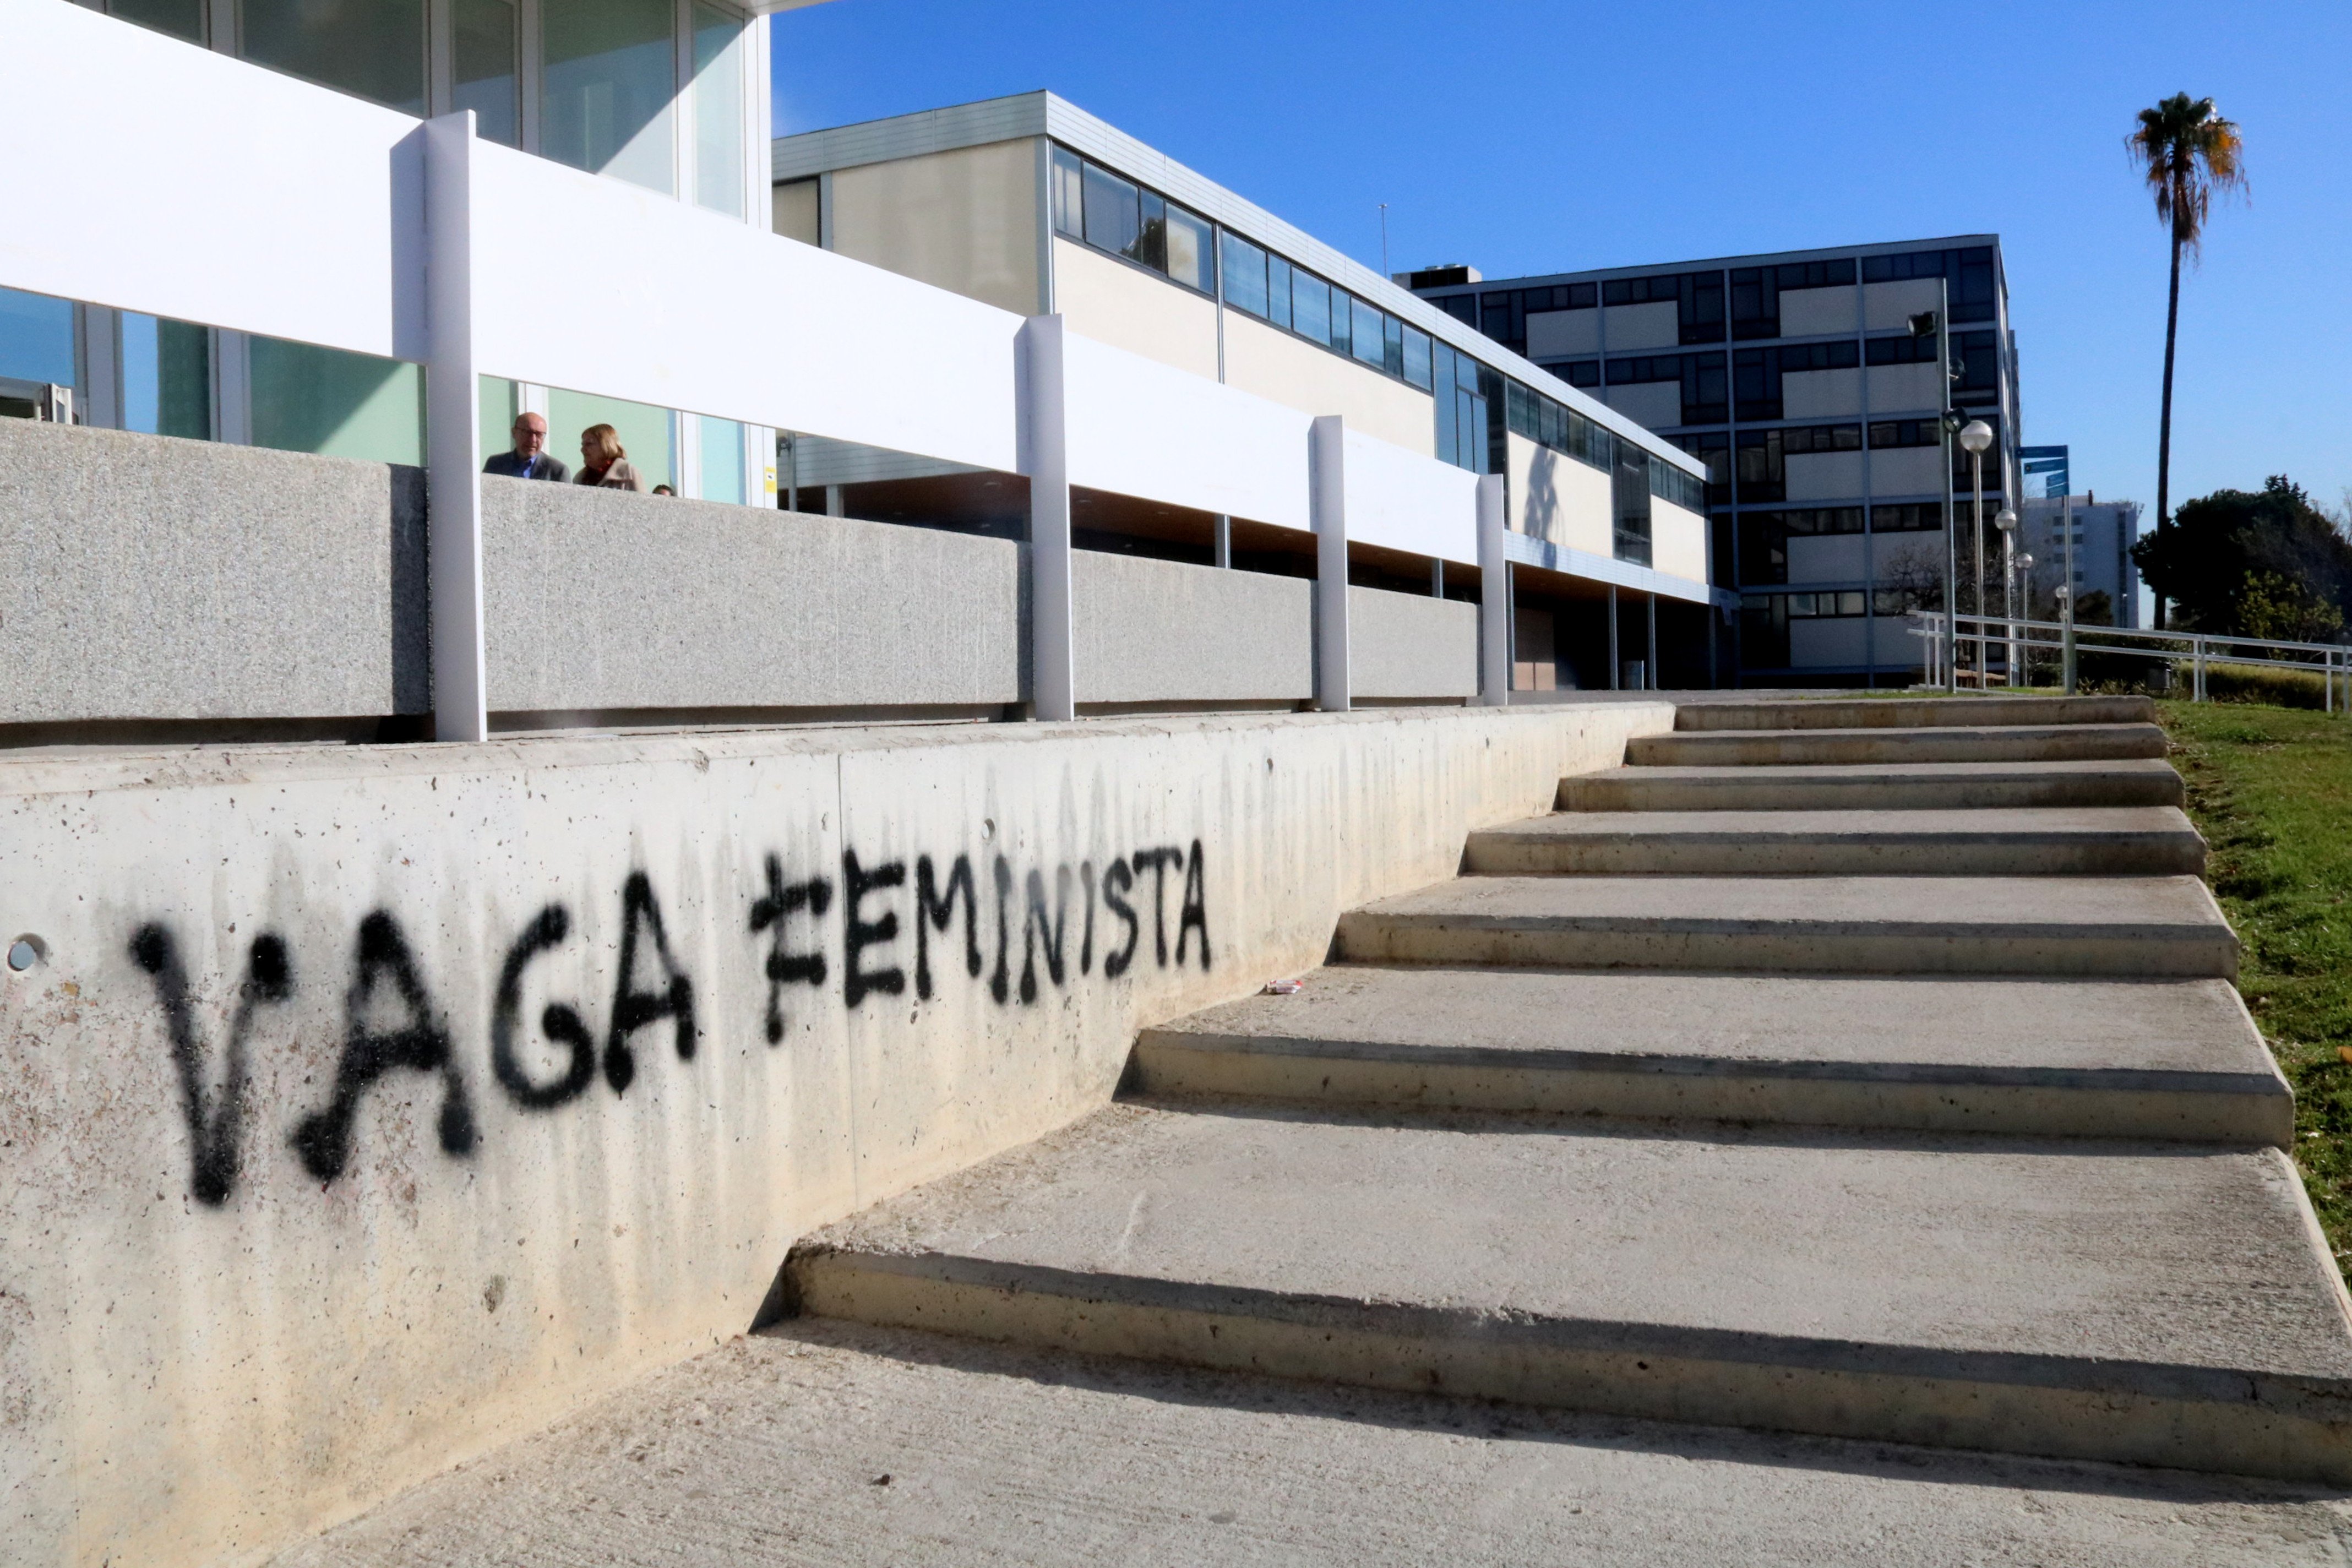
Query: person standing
[(529, 459), (604, 464)]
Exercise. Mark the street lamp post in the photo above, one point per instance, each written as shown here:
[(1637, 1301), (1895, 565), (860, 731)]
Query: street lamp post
[(2005, 523), (1975, 436), (2020, 643)]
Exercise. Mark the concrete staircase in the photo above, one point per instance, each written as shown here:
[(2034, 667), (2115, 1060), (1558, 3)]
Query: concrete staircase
[(1866, 1068)]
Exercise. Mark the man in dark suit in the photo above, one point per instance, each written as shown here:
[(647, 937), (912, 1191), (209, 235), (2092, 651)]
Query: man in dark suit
[(529, 458)]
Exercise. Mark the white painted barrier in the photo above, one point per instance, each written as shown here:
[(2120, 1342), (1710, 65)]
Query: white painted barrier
[(1402, 501), (1142, 428)]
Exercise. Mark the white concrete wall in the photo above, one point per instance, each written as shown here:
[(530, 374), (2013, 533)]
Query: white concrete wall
[(185, 168), (1649, 403), (1164, 631), (1817, 312), (1678, 540), (1143, 429), (1886, 307), (1117, 303), (1907, 471), (1554, 497), (1901, 388), (1837, 640), (248, 1301), (1821, 393), (964, 220), (1410, 645), (1636, 329), (1401, 500), (1555, 334), (1293, 372), (1824, 476), (1825, 558)]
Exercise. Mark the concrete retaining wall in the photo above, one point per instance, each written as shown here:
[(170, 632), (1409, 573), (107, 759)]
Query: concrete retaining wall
[(601, 601), (147, 578), (1409, 645), (1162, 631), (370, 1105)]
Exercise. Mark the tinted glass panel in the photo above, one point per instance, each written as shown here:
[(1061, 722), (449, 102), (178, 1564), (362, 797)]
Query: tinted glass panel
[(1188, 248), (1369, 339), (181, 18), (1245, 266), (486, 70), (1281, 289), (36, 338), (370, 48), (1114, 218), (1310, 307), (1416, 357), (717, 112), (1069, 194), (612, 70)]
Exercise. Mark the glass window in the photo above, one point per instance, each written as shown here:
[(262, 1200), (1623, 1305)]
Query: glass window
[(1188, 249), (1392, 345), (1069, 194), (485, 73), (1245, 266), (1114, 216), (36, 338), (1416, 358), (167, 380), (1443, 366), (312, 399), (1282, 284), (498, 406), (1151, 240), (718, 110), (1310, 307), (1369, 341), (1630, 487), (611, 72), (181, 18), (643, 428), (722, 459), (370, 48)]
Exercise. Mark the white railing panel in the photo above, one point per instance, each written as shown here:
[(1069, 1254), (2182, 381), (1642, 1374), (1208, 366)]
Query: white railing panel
[(1406, 501), (1138, 428), (152, 175), (591, 284)]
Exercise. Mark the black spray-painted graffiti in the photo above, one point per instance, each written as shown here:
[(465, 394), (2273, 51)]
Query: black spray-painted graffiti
[(653, 986)]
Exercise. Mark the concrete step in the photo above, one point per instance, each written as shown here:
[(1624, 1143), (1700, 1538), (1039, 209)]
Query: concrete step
[(2176, 1059), (1936, 743), (2143, 926), (1913, 713), (2157, 1307), (2150, 840), (1909, 787), (869, 1448)]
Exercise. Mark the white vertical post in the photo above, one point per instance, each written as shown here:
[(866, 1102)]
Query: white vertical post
[(1327, 480), (1045, 430), (453, 468), (1224, 543), (1493, 597)]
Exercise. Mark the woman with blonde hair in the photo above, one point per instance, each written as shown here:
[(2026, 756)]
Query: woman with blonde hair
[(603, 463)]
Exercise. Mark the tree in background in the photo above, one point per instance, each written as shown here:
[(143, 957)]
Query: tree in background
[(2265, 563), (2188, 153)]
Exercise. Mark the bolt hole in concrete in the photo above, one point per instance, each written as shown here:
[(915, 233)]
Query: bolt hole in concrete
[(987, 828), (26, 951)]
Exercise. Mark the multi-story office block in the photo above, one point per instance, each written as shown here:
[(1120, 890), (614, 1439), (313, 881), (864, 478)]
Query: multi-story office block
[(1797, 379), (1032, 205), (2104, 535)]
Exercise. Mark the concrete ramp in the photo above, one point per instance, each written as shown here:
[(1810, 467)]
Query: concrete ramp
[(1899, 1100)]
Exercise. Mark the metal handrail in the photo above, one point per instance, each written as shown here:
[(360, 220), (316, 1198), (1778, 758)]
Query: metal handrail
[(1938, 630)]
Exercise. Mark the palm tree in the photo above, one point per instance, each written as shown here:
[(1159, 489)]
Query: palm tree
[(2188, 153)]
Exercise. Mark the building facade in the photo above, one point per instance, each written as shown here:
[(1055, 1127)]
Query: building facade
[(1797, 378), (1032, 205), (2104, 533)]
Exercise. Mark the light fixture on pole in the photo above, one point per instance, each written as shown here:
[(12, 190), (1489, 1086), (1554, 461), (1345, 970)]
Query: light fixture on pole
[(1975, 436)]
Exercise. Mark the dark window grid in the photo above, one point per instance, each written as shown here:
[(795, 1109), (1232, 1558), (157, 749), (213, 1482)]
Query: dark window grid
[(1114, 215), (1269, 288)]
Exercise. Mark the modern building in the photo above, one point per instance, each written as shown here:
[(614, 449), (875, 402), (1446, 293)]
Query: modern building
[(2104, 535), (1030, 204), (1797, 378)]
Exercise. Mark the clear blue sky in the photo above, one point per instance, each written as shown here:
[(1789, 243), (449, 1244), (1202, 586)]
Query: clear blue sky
[(1525, 137)]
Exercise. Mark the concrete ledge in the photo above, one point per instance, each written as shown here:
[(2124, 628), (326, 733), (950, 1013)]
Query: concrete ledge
[(1907, 787), (2092, 841), (597, 600), (1162, 631), (2154, 926), (1410, 645), (1937, 743), (1915, 712), (155, 579)]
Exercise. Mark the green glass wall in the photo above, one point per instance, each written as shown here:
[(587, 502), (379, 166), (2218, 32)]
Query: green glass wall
[(644, 430), (338, 405)]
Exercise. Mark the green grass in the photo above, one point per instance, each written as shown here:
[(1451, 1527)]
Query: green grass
[(2271, 788)]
